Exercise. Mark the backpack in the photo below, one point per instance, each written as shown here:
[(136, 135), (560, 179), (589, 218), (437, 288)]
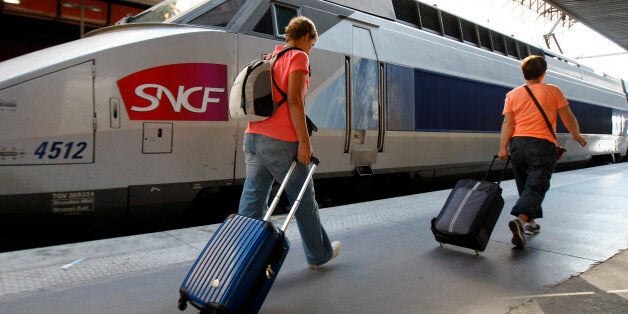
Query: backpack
[(251, 95)]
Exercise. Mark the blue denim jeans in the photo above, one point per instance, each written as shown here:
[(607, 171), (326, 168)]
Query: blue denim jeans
[(268, 160), (533, 162)]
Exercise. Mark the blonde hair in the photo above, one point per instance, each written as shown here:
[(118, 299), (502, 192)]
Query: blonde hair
[(300, 26)]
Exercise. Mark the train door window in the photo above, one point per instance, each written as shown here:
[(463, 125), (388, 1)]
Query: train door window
[(365, 82)]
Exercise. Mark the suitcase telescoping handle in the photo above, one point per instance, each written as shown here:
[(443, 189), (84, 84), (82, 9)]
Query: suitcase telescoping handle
[(297, 202), (501, 175)]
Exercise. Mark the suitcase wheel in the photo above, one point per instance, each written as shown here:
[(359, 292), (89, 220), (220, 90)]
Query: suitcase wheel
[(183, 304), (269, 272)]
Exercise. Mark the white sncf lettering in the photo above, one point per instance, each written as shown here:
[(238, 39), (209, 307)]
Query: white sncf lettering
[(182, 98)]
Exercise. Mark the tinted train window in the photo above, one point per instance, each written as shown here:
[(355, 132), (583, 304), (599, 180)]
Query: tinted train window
[(283, 15), (620, 122), (220, 15), (364, 82), (400, 97), (275, 20), (265, 25), (591, 119), (445, 103), (328, 109)]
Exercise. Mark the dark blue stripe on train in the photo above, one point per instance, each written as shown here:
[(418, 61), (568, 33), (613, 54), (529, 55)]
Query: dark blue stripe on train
[(446, 103)]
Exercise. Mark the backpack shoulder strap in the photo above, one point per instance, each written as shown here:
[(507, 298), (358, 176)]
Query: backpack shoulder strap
[(273, 59)]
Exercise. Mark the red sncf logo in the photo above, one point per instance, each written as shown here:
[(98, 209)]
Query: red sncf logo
[(186, 91)]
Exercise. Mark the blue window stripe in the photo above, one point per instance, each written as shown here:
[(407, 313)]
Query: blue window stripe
[(445, 103), (450, 104)]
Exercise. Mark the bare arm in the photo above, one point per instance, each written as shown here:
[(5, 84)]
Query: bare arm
[(296, 84), (508, 127), (570, 122)]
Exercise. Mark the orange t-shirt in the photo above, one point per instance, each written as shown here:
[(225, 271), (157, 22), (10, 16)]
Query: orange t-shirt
[(528, 120), (279, 125)]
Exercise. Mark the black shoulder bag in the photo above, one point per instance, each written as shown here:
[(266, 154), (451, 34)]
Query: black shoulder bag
[(560, 151)]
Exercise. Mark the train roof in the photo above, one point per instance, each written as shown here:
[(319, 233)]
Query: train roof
[(82, 50)]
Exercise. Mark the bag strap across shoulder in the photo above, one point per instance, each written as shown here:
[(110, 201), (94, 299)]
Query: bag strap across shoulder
[(273, 59), (536, 102)]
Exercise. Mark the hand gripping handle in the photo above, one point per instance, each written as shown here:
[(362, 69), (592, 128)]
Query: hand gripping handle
[(501, 175)]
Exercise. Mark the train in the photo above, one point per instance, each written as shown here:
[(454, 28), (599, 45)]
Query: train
[(131, 122)]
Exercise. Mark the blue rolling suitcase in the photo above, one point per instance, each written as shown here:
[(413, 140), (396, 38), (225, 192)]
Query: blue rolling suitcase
[(470, 213), (239, 264)]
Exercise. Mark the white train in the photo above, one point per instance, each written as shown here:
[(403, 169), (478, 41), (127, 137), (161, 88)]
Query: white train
[(132, 120)]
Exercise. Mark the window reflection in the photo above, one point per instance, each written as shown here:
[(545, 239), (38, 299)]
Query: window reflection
[(365, 94)]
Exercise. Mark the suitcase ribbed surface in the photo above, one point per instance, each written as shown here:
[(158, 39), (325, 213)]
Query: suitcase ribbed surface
[(223, 272)]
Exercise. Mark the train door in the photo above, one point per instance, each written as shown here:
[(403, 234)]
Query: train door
[(49, 120), (365, 130)]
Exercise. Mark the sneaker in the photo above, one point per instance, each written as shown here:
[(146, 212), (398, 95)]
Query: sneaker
[(517, 233), (335, 247), (532, 229)]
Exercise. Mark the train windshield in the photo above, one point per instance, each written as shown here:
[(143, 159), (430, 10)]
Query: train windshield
[(199, 12)]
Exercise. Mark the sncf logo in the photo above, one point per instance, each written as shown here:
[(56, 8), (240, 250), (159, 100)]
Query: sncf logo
[(187, 91)]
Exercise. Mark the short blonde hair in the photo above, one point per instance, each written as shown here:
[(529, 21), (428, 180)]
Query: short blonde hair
[(300, 26)]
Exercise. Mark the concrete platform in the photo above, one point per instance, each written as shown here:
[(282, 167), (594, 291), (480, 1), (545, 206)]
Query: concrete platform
[(390, 262)]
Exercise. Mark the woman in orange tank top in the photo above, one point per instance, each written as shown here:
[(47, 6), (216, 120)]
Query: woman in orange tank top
[(271, 145)]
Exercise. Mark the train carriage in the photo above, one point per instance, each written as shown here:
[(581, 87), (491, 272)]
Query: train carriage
[(131, 121)]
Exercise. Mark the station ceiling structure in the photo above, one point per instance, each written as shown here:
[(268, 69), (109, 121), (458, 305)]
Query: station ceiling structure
[(607, 17)]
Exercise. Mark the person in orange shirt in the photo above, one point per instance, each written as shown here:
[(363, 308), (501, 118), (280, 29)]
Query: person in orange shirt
[(270, 146), (532, 144)]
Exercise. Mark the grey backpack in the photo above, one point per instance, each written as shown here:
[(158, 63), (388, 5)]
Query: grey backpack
[(251, 92)]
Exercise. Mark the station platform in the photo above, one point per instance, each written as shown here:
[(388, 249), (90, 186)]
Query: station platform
[(389, 263)]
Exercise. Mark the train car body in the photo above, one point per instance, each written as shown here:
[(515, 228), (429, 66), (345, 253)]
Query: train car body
[(131, 121)]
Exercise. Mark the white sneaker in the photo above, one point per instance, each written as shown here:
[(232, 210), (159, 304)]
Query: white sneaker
[(532, 229), (335, 247)]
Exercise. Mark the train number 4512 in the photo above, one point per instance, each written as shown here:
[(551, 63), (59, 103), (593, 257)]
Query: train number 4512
[(63, 150)]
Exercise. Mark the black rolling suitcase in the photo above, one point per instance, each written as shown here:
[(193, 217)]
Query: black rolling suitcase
[(239, 264), (470, 213)]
